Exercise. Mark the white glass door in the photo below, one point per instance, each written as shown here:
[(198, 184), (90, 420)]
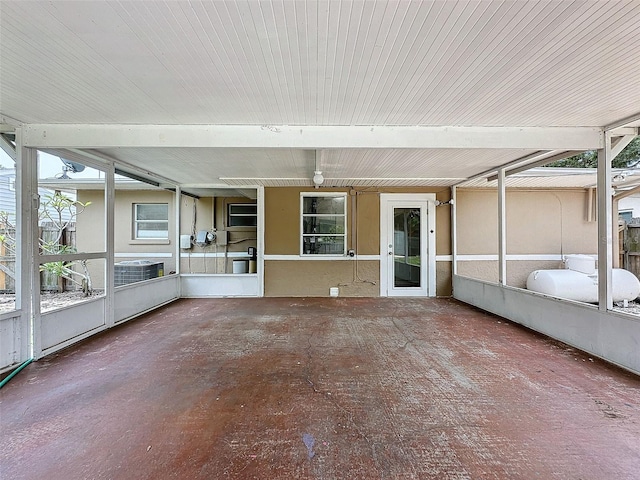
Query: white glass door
[(407, 263)]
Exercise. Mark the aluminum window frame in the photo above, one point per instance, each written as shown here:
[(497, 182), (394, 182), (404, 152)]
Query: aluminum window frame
[(136, 222), (344, 235), (241, 215)]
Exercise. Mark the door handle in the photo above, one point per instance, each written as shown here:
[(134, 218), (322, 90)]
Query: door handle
[(390, 253)]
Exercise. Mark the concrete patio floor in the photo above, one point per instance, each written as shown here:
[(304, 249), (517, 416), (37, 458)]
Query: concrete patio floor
[(322, 388)]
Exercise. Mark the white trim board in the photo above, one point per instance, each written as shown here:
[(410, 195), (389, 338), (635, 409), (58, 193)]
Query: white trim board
[(514, 257), (326, 258), (439, 258), (143, 255), (242, 255)]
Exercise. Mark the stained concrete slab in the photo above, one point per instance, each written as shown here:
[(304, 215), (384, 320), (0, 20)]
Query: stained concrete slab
[(323, 388)]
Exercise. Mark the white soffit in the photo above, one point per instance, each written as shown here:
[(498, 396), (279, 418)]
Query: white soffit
[(397, 62), (282, 167), (133, 78)]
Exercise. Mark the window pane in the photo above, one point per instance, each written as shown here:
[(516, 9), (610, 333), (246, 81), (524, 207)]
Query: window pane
[(323, 245), (243, 209), (323, 205), (248, 221), (334, 225), (406, 247), (152, 230), (152, 211)]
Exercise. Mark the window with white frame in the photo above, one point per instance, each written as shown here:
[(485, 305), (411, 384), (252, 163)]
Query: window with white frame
[(242, 215), (151, 221), (323, 223)]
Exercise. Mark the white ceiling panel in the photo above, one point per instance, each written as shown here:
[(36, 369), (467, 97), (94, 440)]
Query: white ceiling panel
[(277, 167), (534, 63)]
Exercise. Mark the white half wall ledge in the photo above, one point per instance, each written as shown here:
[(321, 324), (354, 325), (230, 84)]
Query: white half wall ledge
[(311, 137), (608, 335)]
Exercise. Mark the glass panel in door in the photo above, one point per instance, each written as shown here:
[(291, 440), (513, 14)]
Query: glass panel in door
[(406, 247)]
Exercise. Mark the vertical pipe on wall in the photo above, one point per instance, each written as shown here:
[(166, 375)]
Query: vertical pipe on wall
[(605, 225), (502, 229), (590, 209)]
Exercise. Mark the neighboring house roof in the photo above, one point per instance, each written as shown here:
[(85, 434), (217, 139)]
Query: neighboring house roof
[(8, 196), (552, 177), (123, 183)]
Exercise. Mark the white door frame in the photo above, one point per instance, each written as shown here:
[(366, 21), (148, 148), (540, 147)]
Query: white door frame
[(426, 201)]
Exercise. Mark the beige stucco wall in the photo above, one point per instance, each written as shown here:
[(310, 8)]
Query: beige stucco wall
[(542, 222), (216, 259), (353, 278), (91, 229), (539, 222)]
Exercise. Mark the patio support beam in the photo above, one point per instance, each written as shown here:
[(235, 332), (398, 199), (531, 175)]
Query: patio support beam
[(502, 229), (7, 146), (537, 163), (620, 145), (310, 137), (627, 193), (605, 226), (623, 122)]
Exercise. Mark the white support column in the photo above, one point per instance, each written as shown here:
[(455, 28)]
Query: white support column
[(25, 251), (454, 231), (260, 243), (178, 217), (605, 225), (502, 229), (27, 243), (110, 196)]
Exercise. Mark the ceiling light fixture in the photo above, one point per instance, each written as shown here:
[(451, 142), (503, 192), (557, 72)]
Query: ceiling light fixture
[(318, 179)]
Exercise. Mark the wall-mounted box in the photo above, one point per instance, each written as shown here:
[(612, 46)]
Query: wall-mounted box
[(185, 241)]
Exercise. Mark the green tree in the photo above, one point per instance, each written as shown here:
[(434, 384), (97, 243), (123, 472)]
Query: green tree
[(628, 158), (59, 211)]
